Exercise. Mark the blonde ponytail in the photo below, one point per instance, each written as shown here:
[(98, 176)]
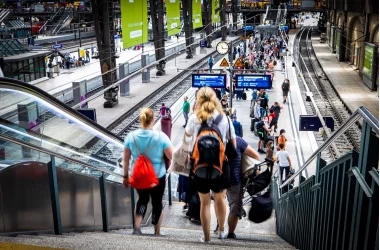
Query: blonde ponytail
[(146, 117), (207, 103)]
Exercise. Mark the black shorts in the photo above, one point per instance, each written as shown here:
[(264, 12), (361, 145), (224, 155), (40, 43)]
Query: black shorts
[(216, 185), (285, 92), (262, 135)]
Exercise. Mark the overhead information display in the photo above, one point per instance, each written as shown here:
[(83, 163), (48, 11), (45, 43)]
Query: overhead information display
[(253, 81), (209, 80)]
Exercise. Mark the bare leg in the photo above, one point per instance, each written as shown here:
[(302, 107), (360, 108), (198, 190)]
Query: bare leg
[(232, 222), (220, 208), (205, 214), (157, 227)]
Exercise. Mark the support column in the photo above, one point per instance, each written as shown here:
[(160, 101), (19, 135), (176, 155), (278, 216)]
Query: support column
[(234, 14), (105, 32), (188, 23), (146, 72), (157, 16), (208, 22), (124, 85), (223, 21)]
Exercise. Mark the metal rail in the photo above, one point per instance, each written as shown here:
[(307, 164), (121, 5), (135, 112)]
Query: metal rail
[(51, 153), (361, 112)]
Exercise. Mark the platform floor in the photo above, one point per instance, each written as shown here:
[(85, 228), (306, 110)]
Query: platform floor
[(346, 80)]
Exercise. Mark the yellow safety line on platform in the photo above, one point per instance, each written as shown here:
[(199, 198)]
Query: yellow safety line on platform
[(14, 246)]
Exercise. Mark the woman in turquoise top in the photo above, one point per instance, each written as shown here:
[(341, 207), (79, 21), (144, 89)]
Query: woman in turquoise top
[(154, 144)]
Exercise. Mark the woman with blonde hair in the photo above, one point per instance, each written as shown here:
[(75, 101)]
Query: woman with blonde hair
[(153, 144), (209, 111)]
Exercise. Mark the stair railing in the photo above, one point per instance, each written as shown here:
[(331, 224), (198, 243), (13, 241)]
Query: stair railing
[(337, 208)]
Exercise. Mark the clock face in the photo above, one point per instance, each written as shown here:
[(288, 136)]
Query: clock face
[(222, 48)]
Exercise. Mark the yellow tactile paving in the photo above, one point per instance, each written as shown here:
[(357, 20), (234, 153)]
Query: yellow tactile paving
[(13, 246)]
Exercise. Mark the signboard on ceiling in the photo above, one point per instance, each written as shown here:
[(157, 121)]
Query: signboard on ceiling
[(313, 123), (197, 14), (253, 81), (215, 6), (209, 80), (173, 17), (134, 21)]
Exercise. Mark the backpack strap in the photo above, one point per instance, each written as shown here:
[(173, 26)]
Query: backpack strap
[(147, 147)]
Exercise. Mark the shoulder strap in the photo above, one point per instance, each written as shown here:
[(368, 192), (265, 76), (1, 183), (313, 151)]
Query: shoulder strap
[(147, 147)]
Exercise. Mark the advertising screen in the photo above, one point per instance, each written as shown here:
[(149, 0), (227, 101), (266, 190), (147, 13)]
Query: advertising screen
[(369, 51), (254, 81), (209, 80)]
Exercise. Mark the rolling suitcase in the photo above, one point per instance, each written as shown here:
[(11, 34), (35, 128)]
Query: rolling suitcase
[(244, 96), (253, 121), (194, 208)]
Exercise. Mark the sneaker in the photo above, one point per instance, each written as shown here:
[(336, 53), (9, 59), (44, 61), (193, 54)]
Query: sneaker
[(203, 240), (222, 235), (231, 236), (137, 231), (185, 208)]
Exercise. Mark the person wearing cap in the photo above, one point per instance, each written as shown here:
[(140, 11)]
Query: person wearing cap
[(237, 126)]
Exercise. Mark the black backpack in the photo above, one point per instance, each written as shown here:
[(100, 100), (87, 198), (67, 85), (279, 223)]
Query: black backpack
[(285, 86), (259, 125), (208, 154)]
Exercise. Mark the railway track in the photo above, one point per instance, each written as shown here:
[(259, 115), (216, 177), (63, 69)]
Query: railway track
[(325, 96)]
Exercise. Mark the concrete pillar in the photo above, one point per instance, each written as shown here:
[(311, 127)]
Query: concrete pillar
[(146, 72), (203, 49), (124, 85), (80, 93)]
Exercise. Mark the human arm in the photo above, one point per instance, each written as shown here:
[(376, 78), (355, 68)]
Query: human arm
[(126, 158), (169, 152), (252, 153), (290, 163)]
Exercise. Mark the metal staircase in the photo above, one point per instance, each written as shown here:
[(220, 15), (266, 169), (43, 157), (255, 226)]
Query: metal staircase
[(4, 14)]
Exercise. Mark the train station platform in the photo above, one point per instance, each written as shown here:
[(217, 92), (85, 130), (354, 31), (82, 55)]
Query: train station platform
[(346, 80)]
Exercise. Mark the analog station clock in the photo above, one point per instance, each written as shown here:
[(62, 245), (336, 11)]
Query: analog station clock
[(222, 48)]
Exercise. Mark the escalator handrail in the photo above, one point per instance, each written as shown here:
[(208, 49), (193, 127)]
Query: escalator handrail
[(51, 153), (27, 89)]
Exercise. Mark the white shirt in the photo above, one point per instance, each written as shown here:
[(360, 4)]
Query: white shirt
[(193, 127), (283, 156)]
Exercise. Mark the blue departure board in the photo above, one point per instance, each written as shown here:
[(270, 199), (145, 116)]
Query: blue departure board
[(253, 81), (209, 80)]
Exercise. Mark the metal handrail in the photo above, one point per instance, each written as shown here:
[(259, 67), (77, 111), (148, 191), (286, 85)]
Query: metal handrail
[(51, 153), (361, 112)]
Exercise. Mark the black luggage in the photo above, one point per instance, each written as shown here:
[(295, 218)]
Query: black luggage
[(261, 209), (253, 121), (194, 211), (244, 96)]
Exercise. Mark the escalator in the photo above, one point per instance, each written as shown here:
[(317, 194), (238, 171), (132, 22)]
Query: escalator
[(51, 179)]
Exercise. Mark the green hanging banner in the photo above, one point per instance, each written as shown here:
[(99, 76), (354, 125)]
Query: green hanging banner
[(215, 5), (197, 14), (134, 21), (173, 17)]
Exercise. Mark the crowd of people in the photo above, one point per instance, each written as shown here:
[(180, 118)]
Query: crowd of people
[(215, 136)]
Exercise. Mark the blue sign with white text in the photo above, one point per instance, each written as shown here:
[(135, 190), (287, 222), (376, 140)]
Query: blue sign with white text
[(254, 81), (57, 46), (285, 28), (209, 80), (203, 43), (248, 28)]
